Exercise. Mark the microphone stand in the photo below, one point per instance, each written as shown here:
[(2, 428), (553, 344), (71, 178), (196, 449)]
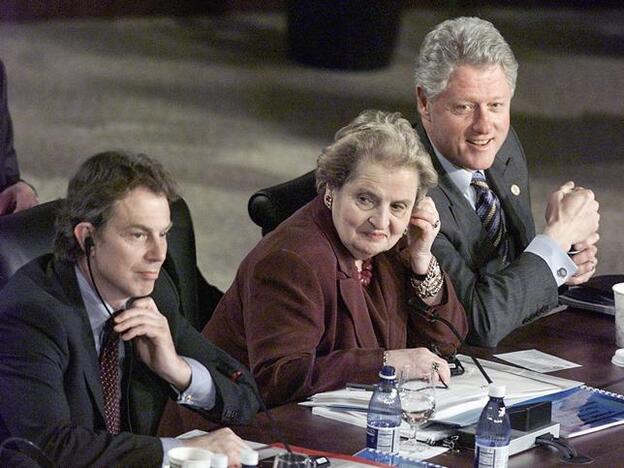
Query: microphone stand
[(567, 453), (274, 426), (235, 376), (433, 317), (28, 449)]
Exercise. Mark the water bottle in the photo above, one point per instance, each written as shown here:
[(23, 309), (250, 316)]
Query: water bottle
[(249, 459), (493, 432), (384, 414)]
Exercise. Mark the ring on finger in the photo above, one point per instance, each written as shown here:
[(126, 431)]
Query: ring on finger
[(436, 224)]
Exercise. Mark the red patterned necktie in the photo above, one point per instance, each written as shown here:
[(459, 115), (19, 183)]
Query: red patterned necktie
[(110, 378), (490, 212)]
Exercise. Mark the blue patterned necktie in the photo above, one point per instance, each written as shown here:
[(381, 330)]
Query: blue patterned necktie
[(489, 211)]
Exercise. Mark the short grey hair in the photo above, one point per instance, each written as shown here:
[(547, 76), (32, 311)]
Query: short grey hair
[(375, 136), (462, 41)]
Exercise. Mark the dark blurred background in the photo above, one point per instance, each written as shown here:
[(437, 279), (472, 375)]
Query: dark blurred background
[(217, 91)]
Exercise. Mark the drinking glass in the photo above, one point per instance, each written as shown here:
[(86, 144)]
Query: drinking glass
[(418, 403), (292, 460)]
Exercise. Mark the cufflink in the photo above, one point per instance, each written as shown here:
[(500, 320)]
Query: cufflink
[(562, 272), (515, 189), (230, 414)]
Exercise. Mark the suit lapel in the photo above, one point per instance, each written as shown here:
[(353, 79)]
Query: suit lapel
[(503, 177), (348, 280), (455, 211), (66, 277), (353, 297)]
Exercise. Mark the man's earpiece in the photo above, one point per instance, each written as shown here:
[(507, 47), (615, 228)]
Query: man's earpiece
[(88, 242)]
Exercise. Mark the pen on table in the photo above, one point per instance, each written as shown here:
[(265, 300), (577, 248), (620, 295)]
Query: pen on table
[(370, 388), (360, 386), (443, 382), (481, 369), (434, 368)]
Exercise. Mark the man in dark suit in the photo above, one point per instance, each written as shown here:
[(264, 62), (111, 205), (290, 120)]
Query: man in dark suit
[(92, 342), (504, 274), (15, 194)]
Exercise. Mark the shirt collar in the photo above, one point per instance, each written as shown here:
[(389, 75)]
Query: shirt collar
[(459, 176), (97, 313)]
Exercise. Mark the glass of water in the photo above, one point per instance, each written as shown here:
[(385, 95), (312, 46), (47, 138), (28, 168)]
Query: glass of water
[(418, 402)]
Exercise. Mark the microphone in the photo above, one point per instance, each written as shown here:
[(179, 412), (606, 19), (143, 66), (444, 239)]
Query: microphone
[(27, 448), (435, 317), (454, 364), (236, 376)]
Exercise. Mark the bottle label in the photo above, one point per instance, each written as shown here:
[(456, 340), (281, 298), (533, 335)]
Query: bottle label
[(491, 457), (384, 439)]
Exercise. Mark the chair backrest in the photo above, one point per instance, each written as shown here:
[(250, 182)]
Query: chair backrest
[(30, 233), (270, 206), (24, 236)]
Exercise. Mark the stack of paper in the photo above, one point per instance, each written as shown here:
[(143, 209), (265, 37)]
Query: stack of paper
[(460, 404)]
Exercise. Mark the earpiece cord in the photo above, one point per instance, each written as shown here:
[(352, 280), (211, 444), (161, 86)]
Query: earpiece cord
[(106, 332), (97, 291)]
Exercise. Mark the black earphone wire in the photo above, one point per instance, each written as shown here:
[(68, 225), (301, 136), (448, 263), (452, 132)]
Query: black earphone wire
[(107, 331), (97, 291)]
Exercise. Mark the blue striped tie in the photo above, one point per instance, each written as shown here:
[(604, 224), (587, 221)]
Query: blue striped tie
[(489, 211)]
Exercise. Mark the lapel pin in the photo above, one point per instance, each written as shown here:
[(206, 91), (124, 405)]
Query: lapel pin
[(515, 189)]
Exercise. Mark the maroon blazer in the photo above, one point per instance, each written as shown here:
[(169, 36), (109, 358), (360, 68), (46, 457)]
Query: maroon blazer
[(299, 318)]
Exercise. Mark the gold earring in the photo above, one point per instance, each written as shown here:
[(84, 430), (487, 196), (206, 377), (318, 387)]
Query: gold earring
[(328, 201)]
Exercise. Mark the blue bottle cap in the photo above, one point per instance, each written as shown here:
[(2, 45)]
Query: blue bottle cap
[(388, 373)]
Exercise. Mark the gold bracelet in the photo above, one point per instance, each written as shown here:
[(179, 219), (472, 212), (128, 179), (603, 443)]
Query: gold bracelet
[(431, 285)]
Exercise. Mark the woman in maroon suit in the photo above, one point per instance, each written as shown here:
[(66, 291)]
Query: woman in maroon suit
[(334, 292)]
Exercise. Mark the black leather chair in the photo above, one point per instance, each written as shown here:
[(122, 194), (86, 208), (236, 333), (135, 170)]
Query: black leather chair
[(28, 234), (270, 206)]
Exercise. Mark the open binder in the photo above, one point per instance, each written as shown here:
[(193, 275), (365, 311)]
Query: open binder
[(595, 295), (584, 409)]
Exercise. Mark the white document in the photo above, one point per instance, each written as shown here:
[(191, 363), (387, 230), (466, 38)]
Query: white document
[(537, 361), (467, 394)]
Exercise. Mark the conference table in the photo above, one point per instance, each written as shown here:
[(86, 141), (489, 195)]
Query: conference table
[(586, 338)]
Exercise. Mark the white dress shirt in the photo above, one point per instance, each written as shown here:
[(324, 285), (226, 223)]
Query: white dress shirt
[(560, 264), (200, 393)]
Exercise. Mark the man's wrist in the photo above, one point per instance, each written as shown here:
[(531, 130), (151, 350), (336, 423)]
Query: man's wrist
[(553, 233), (557, 260), (179, 375)]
